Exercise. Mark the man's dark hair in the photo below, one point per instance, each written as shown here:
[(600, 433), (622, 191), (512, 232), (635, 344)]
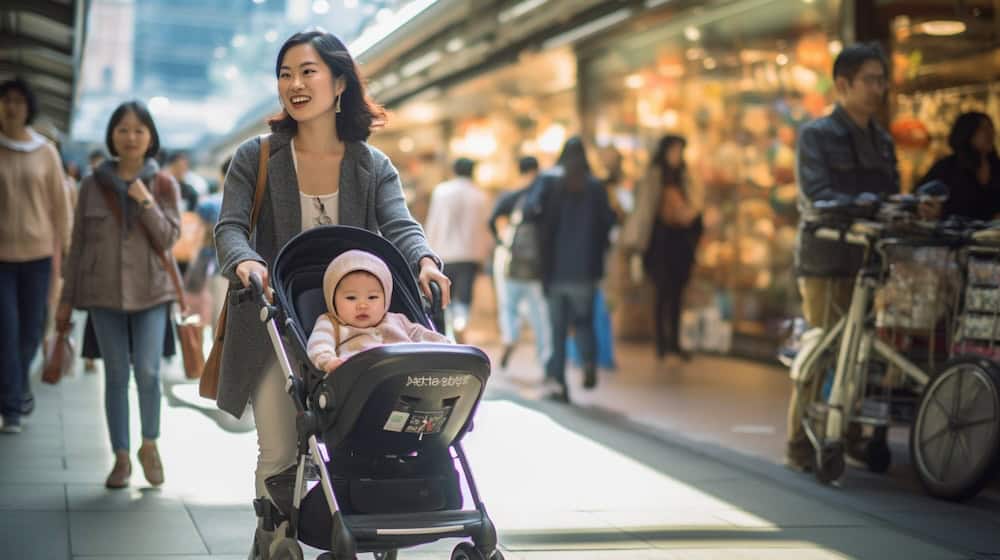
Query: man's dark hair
[(176, 155), (853, 57), (527, 164), (22, 87), (94, 154), (359, 114), (138, 108), (463, 167)]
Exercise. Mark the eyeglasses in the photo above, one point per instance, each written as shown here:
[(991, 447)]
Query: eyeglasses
[(874, 80), (323, 219)]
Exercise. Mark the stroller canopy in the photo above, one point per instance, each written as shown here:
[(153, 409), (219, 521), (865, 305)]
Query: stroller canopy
[(297, 274)]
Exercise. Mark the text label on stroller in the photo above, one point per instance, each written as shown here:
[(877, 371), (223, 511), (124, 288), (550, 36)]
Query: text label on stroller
[(432, 381)]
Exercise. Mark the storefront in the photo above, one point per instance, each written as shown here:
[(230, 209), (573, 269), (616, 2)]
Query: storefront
[(736, 83), (737, 80), (525, 107)]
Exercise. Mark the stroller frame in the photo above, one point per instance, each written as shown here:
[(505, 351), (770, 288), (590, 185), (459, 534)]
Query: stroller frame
[(278, 532)]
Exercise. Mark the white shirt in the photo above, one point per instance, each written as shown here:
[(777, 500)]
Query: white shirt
[(456, 222), (316, 210)]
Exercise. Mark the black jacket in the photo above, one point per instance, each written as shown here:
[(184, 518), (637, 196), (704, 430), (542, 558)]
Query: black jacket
[(828, 167), (967, 197), (544, 202)]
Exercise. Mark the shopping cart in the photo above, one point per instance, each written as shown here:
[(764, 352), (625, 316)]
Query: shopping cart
[(872, 376)]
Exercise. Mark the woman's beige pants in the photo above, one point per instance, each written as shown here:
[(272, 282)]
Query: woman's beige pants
[(274, 414)]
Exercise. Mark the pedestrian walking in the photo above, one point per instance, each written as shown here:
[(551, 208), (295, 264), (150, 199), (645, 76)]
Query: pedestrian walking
[(518, 268), (456, 228), (839, 156), (34, 231), (321, 171), (972, 170), (178, 164), (127, 217), (665, 228), (575, 218)]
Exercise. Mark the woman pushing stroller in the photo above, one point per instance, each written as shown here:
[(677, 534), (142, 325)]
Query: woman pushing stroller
[(320, 171)]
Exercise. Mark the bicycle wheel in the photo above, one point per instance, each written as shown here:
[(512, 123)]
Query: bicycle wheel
[(955, 438)]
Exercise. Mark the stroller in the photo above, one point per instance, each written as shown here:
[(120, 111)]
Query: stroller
[(391, 420)]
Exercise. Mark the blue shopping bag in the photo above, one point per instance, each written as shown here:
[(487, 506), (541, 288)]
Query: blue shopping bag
[(602, 329)]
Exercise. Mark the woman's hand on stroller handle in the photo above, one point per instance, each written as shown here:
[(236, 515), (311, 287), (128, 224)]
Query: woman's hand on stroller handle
[(253, 274), (429, 272)]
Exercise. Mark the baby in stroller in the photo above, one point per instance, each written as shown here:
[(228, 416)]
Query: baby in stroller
[(384, 432), (357, 287)]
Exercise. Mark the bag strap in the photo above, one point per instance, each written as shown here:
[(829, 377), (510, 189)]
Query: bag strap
[(515, 221), (258, 195), (166, 259)]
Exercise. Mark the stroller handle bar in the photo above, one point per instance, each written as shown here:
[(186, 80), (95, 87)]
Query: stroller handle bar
[(255, 293)]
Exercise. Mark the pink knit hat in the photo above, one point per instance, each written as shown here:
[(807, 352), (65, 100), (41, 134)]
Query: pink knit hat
[(352, 261)]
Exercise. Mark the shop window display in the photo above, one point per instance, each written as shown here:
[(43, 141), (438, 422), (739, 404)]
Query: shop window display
[(739, 107)]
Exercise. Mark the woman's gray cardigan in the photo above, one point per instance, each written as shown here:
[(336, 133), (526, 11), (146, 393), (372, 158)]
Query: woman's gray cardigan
[(371, 197)]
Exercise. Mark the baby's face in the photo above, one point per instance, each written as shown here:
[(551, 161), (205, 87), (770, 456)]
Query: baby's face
[(359, 300)]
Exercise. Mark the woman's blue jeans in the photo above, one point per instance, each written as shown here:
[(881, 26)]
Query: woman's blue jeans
[(146, 328), (24, 292)]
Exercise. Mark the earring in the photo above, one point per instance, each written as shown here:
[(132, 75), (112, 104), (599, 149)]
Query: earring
[(338, 103)]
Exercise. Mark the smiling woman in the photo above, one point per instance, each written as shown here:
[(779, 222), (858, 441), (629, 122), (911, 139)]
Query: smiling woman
[(320, 171)]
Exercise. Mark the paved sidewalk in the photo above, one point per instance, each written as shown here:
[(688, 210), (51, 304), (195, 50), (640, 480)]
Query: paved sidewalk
[(560, 482)]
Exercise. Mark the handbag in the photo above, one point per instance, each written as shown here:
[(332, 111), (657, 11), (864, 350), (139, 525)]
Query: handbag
[(208, 386), (524, 257), (60, 356), (189, 326)]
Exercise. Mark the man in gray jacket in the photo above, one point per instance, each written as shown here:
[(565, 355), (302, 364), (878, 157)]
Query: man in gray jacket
[(839, 156)]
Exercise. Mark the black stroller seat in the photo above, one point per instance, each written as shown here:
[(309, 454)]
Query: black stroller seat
[(391, 419)]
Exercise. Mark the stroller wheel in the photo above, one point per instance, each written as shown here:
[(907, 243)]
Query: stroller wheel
[(286, 549), (468, 551)]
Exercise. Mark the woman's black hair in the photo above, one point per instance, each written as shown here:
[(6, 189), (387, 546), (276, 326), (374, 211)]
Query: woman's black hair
[(138, 108), (21, 86), (359, 114), (669, 173), (960, 137), (573, 156)]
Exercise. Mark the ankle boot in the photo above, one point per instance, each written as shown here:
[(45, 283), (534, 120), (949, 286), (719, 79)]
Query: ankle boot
[(121, 472), (149, 458)]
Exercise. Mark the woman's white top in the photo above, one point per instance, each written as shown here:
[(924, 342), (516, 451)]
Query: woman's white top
[(316, 210)]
